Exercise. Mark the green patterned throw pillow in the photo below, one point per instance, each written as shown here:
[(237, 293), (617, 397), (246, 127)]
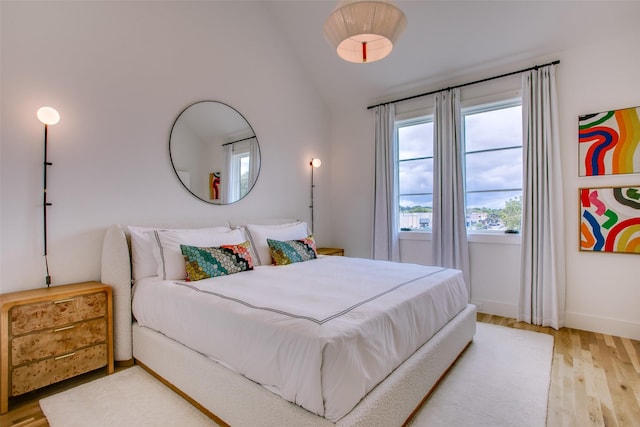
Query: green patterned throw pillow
[(292, 250), (203, 263)]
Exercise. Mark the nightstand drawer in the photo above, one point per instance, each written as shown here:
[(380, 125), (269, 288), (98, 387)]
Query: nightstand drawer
[(62, 340), (51, 314), (48, 371)]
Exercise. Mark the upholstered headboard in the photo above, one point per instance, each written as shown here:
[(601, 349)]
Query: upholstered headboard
[(116, 272)]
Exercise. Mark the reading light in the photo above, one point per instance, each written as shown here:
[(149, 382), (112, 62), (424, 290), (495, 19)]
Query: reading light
[(314, 163), (48, 116), (364, 30)]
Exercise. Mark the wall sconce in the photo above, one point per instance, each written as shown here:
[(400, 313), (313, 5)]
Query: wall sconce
[(48, 116), (314, 163), (364, 30)]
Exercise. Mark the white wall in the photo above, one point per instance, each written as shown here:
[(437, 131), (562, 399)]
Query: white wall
[(119, 73), (603, 290)]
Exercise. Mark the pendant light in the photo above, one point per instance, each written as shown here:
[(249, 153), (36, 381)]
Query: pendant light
[(364, 30)]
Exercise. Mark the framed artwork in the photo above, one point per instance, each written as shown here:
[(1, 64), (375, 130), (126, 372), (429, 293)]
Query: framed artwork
[(214, 185), (609, 142), (610, 219)]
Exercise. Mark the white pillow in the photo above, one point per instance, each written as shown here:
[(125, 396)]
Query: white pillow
[(242, 222), (171, 264), (142, 260), (259, 233)]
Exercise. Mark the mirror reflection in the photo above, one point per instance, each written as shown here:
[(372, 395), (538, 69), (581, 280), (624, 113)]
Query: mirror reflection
[(214, 152)]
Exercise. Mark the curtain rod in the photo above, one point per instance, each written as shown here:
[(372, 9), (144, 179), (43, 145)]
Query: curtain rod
[(240, 140), (535, 67)]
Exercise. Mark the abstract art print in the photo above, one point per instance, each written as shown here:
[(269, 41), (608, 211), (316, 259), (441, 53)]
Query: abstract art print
[(609, 142), (610, 219), (214, 186)]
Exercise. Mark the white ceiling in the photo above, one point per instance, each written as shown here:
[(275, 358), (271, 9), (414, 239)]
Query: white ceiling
[(447, 41)]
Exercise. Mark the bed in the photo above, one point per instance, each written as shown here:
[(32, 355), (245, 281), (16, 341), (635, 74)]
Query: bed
[(345, 342)]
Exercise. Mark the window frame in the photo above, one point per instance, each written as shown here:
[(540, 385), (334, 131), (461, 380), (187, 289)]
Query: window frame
[(496, 100), (236, 173), (399, 123), (481, 106)]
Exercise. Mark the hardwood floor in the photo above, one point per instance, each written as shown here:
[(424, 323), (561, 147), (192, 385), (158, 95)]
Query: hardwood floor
[(595, 378), (595, 381)]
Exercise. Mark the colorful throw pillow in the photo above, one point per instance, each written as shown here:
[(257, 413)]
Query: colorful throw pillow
[(292, 251), (167, 253), (258, 235), (203, 263)]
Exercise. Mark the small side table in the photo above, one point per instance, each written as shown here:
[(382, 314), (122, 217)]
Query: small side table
[(51, 334), (330, 251)]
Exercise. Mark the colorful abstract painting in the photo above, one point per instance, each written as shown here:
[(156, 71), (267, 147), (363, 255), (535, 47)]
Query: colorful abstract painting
[(610, 219), (610, 142), (214, 185)]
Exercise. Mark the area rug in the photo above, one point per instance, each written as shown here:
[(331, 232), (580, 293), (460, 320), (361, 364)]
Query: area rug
[(502, 379), (128, 398)]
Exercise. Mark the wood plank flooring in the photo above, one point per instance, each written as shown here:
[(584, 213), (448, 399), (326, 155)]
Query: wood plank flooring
[(595, 378), (595, 381)]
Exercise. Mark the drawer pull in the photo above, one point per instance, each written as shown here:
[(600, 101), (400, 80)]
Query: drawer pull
[(64, 356), (60, 301), (64, 329)]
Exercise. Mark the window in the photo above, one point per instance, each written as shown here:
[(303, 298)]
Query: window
[(493, 166), (239, 174), (415, 173), (492, 136)]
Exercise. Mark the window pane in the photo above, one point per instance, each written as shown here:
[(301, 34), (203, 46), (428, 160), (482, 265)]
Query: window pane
[(494, 210), (415, 141), (244, 175), (494, 170), (415, 212), (415, 176), (493, 129)]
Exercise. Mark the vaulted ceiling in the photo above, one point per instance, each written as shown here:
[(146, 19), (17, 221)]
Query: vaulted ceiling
[(447, 41)]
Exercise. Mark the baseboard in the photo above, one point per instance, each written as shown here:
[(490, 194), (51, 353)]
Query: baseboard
[(495, 307), (603, 325), (585, 322)]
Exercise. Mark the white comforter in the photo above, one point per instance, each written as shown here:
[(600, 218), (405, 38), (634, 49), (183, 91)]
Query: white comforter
[(320, 333)]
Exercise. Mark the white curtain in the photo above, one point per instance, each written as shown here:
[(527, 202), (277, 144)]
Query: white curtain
[(226, 183), (542, 277), (254, 161), (385, 221), (450, 247)]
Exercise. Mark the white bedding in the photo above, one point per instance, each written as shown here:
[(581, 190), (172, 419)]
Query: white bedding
[(320, 333)]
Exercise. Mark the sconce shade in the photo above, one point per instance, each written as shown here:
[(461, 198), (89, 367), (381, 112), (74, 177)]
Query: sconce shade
[(316, 163), (48, 115), (364, 30)]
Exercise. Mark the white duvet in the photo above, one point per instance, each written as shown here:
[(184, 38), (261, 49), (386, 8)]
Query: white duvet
[(320, 333)]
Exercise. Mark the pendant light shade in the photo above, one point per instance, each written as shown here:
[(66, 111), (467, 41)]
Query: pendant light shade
[(364, 30)]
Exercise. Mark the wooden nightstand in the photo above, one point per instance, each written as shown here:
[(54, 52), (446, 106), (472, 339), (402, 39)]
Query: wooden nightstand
[(51, 334), (330, 251)]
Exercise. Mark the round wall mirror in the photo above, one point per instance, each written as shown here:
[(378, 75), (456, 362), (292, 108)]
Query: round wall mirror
[(214, 152)]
